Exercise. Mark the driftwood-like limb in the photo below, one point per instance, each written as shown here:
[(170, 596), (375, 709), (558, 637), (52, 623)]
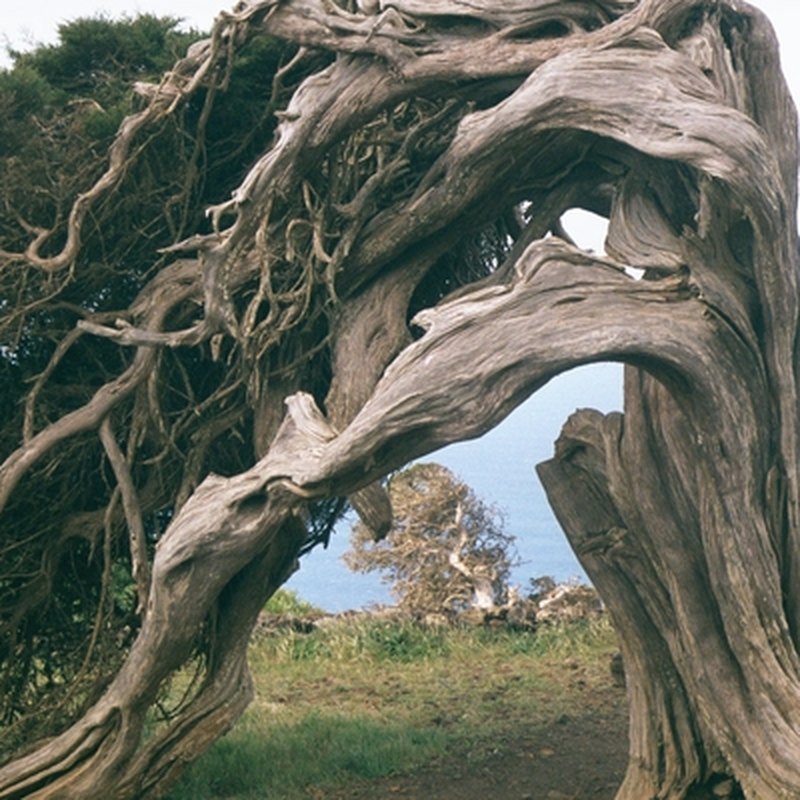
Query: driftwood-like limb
[(133, 512), (158, 299), (336, 280), (371, 330), (483, 583), (125, 333), (663, 718)]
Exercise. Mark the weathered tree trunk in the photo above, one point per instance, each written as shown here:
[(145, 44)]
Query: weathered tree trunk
[(668, 116), (686, 521)]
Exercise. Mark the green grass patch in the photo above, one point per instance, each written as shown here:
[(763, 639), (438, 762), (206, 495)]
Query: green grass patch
[(371, 640), (263, 760), (374, 641), (365, 698), (286, 601)]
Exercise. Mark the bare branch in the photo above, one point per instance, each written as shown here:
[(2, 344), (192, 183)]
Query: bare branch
[(133, 513)]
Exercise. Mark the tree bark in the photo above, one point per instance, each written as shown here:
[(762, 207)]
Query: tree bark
[(668, 116)]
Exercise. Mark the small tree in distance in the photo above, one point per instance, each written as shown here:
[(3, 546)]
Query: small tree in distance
[(447, 550)]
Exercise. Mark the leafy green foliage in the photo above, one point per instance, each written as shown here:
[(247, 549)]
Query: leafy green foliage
[(99, 56), (286, 601), (68, 608)]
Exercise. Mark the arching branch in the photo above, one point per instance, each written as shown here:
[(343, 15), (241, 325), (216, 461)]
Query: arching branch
[(385, 268)]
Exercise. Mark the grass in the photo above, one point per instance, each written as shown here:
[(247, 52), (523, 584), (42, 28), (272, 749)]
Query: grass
[(365, 699), (262, 758)]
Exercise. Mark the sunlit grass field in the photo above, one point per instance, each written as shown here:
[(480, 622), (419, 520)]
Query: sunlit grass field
[(366, 698)]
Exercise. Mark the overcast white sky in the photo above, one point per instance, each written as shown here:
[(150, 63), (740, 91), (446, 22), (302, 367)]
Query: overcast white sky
[(26, 22)]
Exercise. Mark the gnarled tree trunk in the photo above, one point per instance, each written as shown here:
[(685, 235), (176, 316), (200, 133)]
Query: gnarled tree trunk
[(668, 116)]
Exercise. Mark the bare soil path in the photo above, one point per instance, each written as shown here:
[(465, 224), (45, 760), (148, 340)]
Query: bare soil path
[(580, 757)]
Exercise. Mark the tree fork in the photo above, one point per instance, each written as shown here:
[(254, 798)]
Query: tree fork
[(670, 117), (227, 521)]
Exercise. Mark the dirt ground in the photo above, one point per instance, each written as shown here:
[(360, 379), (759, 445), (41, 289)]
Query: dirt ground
[(574, 758)]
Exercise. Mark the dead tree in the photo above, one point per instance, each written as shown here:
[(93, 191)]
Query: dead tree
[(427, 132)]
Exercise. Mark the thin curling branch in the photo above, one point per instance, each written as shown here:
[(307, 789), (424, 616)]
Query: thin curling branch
[(133, 514), (179, 83)]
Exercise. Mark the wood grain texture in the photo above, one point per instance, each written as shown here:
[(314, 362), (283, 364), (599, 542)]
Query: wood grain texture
[(444, 122)]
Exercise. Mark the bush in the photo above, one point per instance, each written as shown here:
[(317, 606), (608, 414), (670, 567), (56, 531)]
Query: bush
[(447, 551), (286, 601)]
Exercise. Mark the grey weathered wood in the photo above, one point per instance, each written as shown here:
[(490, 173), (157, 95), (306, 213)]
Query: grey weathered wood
[(669, 117)]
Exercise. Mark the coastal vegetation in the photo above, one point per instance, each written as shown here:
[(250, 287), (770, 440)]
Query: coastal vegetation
[(447, 550), (246, 277), (364, 696)]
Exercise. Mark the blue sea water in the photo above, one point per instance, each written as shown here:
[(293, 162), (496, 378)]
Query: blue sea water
[(500, 468)]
